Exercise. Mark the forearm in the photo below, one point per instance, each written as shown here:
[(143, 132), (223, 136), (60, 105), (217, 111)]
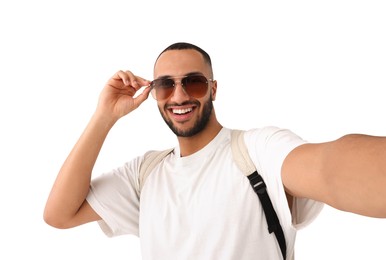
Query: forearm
[(66, 205), (356, 174), (72, 183)]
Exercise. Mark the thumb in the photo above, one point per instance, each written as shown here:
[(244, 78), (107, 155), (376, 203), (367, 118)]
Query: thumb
[(142, 96)]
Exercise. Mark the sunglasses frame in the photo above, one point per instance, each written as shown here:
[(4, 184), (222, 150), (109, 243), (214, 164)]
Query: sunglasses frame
[(175, 82)]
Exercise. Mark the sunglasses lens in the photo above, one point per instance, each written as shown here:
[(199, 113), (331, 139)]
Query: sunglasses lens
[(195, 86), (162, 88)]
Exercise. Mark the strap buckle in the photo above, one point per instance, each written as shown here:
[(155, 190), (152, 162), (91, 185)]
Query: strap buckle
[(257, 183)]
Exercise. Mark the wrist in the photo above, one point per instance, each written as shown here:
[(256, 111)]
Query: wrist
[(103, 121)]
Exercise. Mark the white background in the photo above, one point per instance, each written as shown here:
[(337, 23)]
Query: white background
[(315, 67)]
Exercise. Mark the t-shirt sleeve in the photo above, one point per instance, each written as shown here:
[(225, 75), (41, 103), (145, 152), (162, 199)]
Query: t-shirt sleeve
[(268, 148), (114, 196), (304, 211)]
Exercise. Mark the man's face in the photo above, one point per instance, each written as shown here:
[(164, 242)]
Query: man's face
[(184, 114)]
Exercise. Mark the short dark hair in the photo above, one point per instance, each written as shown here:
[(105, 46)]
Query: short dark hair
[(188, 46)]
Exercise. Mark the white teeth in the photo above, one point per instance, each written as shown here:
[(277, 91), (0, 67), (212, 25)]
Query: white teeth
[(182, 111)]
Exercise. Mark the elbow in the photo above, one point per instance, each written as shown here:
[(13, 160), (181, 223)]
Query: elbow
[(52, 219), (49, 220)]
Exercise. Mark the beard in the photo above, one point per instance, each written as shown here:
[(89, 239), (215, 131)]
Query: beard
[(200, 124)]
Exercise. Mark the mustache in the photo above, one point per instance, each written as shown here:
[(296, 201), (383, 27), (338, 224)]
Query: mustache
[(185, 103)]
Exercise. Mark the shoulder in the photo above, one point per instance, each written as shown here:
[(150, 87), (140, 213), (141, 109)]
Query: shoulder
[(272, 136), (270, 145)]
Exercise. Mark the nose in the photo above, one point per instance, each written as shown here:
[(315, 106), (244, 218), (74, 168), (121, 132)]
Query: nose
[(179, 94)]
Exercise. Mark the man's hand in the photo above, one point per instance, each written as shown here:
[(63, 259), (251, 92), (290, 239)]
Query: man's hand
[(117, 98)]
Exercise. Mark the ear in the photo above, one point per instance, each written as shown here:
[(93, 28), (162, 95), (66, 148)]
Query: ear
[(214, 89)]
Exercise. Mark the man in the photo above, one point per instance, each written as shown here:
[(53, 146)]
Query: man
[(196, 203)]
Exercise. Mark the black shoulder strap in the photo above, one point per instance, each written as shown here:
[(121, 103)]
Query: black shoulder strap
[(241, 156)]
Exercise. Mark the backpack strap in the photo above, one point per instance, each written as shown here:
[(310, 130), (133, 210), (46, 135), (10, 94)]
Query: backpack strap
[(243, 160), (151, 159)]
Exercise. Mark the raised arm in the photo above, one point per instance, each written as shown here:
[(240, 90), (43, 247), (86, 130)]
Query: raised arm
[(66, 205), (348, 174)]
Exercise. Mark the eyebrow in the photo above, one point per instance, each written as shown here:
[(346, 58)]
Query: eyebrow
[(186, 75)]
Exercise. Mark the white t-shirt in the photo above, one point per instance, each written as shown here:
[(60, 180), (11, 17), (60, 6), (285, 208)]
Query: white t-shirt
[(202, 206)]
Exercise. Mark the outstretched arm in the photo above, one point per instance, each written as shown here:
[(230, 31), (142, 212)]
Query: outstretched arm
[(66, 205), (348, 173)]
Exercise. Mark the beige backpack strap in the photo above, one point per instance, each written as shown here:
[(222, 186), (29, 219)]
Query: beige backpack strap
[(240, 153), (243, 160), (151, 159)]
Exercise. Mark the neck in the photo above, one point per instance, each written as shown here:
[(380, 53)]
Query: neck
[(192, 144)]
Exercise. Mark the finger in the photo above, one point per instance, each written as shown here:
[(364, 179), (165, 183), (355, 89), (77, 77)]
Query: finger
[(142, 96), (141, 82), (129, 79), (137, 82)]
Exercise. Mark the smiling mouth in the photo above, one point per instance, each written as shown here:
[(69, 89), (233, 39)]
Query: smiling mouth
[(182, 111)]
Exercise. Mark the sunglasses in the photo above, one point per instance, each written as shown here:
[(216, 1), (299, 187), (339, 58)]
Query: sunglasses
[(194, 85)]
